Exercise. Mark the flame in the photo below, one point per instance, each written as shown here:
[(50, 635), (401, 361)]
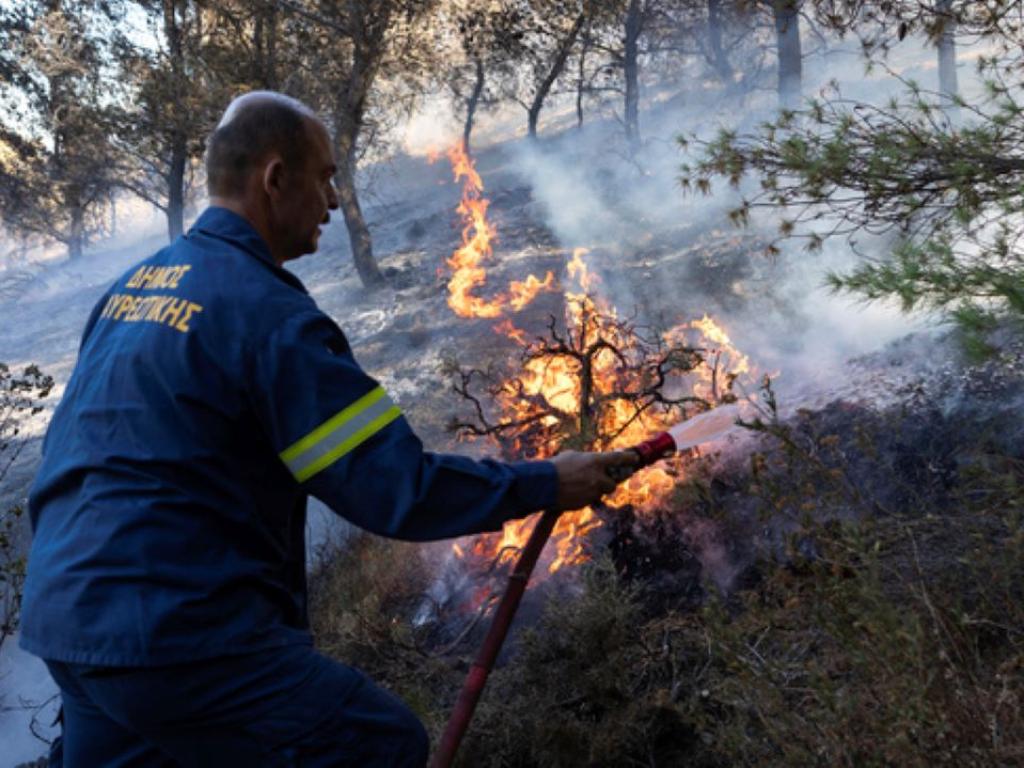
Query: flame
[(508, 329), (725, 360), (555, 381), (525, 291), (467, 263)]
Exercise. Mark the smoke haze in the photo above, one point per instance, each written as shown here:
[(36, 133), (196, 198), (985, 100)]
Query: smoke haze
[(587, 191)]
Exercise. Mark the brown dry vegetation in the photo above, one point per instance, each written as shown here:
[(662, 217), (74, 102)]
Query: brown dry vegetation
[(885, 633)]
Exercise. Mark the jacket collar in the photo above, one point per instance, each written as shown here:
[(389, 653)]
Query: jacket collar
[(228, 226)]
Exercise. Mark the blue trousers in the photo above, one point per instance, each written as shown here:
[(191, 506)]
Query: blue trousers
[(287, 707)]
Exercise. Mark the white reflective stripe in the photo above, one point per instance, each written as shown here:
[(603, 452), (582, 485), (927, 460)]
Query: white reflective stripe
[(340, 434)]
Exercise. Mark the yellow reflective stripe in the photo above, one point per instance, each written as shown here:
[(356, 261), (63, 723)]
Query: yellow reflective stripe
[(333, 423), (340, 434), (353, 441)]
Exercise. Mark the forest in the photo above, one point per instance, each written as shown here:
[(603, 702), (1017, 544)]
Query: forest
[(573, 224)]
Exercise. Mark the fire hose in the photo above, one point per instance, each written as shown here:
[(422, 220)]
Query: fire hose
[(649, 452)]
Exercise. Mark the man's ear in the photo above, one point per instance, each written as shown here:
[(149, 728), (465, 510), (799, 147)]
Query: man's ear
[(273, 176)]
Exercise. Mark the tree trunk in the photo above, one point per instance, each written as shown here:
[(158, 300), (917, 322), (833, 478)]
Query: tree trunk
[(76, 232), (176, 188), (473, 102), (347, 127), (581, 76), (367, 51), (631, 69), (948, 85), (265, 43), (718, 58), (179, 141), (556, 69), (787, 31), (358, 232)]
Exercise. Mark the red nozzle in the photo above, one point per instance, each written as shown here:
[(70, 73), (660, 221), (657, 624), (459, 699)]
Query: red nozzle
[(657, 447)]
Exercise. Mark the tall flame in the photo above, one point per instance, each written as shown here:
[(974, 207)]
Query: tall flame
[(467, 263), (556, 380)]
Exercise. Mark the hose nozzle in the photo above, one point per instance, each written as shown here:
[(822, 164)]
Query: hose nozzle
[(649, 451)]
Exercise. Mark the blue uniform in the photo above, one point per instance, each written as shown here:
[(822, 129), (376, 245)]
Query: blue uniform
[(211, 396)]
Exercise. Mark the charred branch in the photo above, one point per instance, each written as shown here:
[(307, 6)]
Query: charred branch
[(609, 374)]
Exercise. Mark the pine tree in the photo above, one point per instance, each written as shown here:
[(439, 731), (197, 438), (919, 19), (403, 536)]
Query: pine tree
[(173, 99), (948, 189), (56, 159), (362, 66)]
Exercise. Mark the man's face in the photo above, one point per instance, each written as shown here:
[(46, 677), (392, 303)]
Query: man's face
[(310, 195)]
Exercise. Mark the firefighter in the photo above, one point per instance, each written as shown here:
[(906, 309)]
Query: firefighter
[(166, 585)]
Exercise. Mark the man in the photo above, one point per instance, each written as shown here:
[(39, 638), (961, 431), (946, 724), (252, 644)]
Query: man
[(166, 583)]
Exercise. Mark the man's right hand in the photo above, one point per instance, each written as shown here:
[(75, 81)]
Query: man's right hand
[(583, 478)]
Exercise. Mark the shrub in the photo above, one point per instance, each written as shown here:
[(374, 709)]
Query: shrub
[(20, 398)]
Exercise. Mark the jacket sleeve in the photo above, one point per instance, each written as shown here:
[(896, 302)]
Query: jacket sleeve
[(347, 443)]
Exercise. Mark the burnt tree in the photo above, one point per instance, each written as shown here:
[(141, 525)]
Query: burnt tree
[(621, 374)]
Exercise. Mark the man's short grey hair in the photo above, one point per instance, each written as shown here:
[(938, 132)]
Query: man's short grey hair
[(257, 97), (254, 125)]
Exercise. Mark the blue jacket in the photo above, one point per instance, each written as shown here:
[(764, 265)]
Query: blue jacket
[(210, 396)]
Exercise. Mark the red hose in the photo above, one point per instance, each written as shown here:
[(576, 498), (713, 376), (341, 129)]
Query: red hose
[(649, 452), (458, 723)]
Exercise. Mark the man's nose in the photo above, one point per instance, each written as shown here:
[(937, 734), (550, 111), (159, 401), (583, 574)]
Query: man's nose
[(332, 197)]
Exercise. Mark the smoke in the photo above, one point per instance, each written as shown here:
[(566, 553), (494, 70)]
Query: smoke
[(673, 257), (432, 128), (589, 191), (668, 254)]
